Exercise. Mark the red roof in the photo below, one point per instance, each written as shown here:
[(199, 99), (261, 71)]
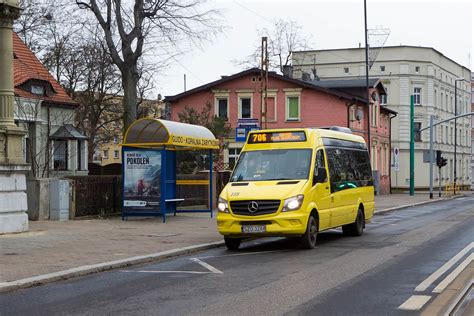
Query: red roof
[(26, 66)]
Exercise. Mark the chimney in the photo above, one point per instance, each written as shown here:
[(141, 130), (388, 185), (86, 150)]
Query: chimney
[(288, 71)]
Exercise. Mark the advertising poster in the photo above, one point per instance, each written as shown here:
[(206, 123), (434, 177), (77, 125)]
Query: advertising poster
[(142, 172)]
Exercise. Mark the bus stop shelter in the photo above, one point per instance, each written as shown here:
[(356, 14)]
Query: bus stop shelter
[(149, 165)]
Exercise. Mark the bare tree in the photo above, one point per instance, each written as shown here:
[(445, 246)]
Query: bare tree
[(129, 25), (284, 37)]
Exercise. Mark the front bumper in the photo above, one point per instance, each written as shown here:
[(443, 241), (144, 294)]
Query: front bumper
[(281, 224)]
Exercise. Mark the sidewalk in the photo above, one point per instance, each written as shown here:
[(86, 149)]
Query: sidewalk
[(52, 246)]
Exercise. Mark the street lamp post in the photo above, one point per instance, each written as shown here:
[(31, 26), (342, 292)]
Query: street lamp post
[(455, 129)]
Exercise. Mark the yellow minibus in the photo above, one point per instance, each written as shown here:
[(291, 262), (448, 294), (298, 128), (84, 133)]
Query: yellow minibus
[(296, 183)]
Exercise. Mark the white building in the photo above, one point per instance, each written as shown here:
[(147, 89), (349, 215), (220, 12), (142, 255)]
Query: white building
[(52, 146), (472, 131), (408, 70)]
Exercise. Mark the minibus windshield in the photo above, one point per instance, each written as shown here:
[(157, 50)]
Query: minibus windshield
[(276, 164)]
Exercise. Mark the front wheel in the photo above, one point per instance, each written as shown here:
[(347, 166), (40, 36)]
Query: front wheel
[(232, 243), (308, 240), (356, 228)]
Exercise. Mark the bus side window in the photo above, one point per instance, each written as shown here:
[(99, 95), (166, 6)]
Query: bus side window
[(319, 164)]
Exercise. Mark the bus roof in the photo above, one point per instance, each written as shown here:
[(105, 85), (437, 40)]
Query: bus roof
[(318, 132)]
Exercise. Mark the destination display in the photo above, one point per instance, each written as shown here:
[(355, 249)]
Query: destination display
[(276, 137)]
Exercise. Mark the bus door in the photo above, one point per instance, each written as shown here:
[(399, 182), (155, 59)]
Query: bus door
[(320, 191)]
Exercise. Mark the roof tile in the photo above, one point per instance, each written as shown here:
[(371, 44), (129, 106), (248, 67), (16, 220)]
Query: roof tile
[(26, 66)]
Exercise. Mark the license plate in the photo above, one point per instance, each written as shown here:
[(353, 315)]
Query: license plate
[(251, 229)]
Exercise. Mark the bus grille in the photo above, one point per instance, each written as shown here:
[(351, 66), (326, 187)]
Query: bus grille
[(248, 207)]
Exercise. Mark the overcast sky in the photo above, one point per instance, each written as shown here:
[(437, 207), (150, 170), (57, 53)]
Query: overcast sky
[(444, 25)]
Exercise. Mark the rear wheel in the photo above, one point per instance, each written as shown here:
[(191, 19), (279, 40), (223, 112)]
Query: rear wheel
[(308, 240), (232, 243), (356, 228)]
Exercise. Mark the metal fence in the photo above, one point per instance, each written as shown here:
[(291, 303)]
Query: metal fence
[(96, 195)]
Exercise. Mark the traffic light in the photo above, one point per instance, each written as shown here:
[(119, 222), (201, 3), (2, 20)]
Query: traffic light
[(440, 161)]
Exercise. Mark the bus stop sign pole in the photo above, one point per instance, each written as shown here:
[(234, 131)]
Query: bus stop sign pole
[(412, 145)]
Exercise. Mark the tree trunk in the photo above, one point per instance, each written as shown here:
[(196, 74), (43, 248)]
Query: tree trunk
[(129, 85)]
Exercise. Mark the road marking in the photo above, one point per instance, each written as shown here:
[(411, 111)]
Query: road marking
[(153, 271), (415, 302), (242, 254), (433, 277), (202, 263), (441, 286), (206, 265)]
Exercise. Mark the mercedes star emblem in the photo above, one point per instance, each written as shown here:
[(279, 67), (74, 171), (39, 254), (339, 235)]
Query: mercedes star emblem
[(253, 207)]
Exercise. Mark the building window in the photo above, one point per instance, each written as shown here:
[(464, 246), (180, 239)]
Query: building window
[(346, 70), (383, 99), (245, 107), (106, 154), (292, 108), (79, 155), (417, 69), (233, 156), (116, 154), (382, 68), (417, 132), (38, 90), (60, 155), (417, 95), (271, 108), (222, 108), (115, 140), (374, 114)]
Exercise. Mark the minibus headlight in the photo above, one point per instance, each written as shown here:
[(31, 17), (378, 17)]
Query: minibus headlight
[(293, 203), (222, 205)]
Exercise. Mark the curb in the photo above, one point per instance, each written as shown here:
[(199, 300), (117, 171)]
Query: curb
[(416, 204), (104, 266)]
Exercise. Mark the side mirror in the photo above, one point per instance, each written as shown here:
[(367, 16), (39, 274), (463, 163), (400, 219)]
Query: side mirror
[(320, 175)]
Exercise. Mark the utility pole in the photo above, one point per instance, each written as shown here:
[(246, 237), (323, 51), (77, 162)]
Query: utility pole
[(264, 82), (455, 131), (455, 128), (369, 145), (412, 145), (431, 155), (184, 78)]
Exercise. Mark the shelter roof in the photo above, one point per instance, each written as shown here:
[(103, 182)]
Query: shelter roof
[(151, 133)]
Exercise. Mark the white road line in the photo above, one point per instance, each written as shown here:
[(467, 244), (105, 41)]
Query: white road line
[(443, 284), (206, 265), (242, 254), (152, 271), (433, 277), (415, 302)]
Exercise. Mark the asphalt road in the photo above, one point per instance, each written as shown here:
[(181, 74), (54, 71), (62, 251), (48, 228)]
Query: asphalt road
[(369, 275)]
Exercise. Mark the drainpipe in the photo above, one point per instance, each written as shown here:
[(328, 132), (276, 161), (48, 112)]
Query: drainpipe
[(390, 147)]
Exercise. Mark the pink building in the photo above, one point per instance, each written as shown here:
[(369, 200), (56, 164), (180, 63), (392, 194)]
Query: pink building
[(295, 103)]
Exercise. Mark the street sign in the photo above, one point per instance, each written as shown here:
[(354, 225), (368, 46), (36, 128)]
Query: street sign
[(426, 156), (396, 159), (244, 126), (240, 134)]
